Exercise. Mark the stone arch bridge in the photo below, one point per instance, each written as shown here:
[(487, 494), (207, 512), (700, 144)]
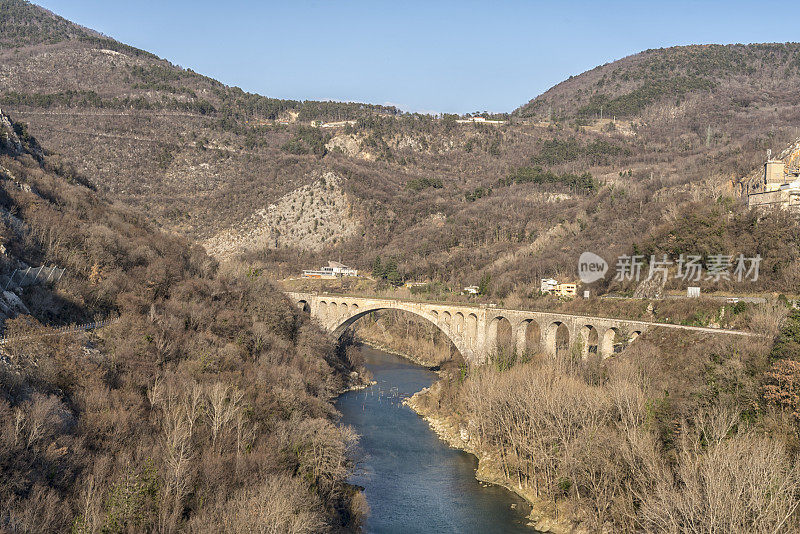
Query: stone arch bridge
[(478, 331)]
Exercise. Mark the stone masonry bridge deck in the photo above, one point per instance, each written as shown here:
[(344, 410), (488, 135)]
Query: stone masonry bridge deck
[(479, 331)]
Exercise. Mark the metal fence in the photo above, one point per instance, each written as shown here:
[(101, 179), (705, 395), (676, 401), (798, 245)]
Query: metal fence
[(33, 275), (62, 330)]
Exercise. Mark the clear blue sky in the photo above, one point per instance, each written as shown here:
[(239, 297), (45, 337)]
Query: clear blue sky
[(429, 56)]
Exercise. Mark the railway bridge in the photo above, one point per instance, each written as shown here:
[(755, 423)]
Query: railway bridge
[(480, 331)]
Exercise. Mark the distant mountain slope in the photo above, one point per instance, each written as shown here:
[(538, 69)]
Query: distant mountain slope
[(199, 155), (95, 71), (595, 163), (25, 24), (719, 77)]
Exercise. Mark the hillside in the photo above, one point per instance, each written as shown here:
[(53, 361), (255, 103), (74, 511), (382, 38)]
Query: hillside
[(672, 83), (27, 25), (448, 202), (192, 408), (123, 114)]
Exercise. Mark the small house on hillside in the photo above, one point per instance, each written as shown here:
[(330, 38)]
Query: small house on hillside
[(778, 187), (333, 270), (567, 290), (550, 286)]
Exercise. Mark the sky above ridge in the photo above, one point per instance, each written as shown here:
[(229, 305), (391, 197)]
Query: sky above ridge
[(426, 56)]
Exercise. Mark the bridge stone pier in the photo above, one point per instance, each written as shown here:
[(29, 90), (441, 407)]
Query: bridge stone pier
[(479, 331)]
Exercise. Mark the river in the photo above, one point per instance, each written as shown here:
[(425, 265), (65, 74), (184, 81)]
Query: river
[(413, 481)]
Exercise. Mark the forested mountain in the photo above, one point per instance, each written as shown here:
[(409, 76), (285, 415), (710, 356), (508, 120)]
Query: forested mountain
[(606, 161), (203, 406), (27, 25), (716, 80)]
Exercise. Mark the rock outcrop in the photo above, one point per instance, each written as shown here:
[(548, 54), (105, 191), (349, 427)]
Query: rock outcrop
[(307, 218)]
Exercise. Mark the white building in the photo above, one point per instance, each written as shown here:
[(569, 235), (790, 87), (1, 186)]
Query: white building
[(548, 285), (340, 269), (333, 270)]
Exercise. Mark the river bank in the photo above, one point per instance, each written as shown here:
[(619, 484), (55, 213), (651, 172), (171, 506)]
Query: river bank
[(450, 430), (408, 474), (490, 471)]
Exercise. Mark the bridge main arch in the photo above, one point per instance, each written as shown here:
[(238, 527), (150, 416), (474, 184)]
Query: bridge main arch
[(342, 323)]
